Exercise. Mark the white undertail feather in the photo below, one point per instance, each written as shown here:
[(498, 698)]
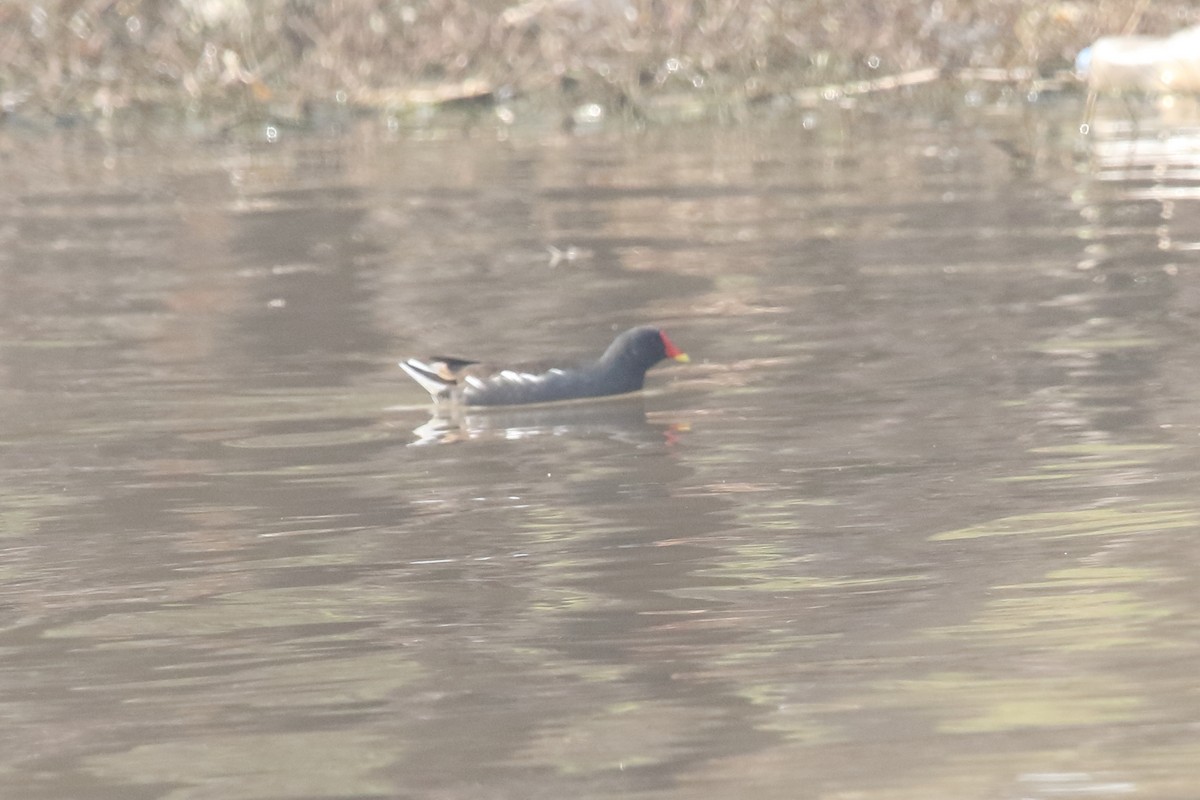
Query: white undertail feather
[(425, 375)]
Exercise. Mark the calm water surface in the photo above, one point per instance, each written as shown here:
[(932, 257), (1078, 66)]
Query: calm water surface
[(919, 520)]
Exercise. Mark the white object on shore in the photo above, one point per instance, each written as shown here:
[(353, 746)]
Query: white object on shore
[(1143, 63)]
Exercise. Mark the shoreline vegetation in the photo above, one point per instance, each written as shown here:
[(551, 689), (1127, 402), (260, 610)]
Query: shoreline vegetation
[(220, 63)]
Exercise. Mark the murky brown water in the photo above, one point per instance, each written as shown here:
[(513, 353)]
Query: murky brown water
[(919, 520)]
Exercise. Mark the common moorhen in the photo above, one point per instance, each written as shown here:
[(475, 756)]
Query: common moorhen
[(621, 369)]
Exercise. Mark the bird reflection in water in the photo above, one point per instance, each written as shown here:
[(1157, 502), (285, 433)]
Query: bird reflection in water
[(621, 419)]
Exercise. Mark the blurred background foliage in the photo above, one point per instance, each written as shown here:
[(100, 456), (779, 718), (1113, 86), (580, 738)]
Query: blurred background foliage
[(88, 59)]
